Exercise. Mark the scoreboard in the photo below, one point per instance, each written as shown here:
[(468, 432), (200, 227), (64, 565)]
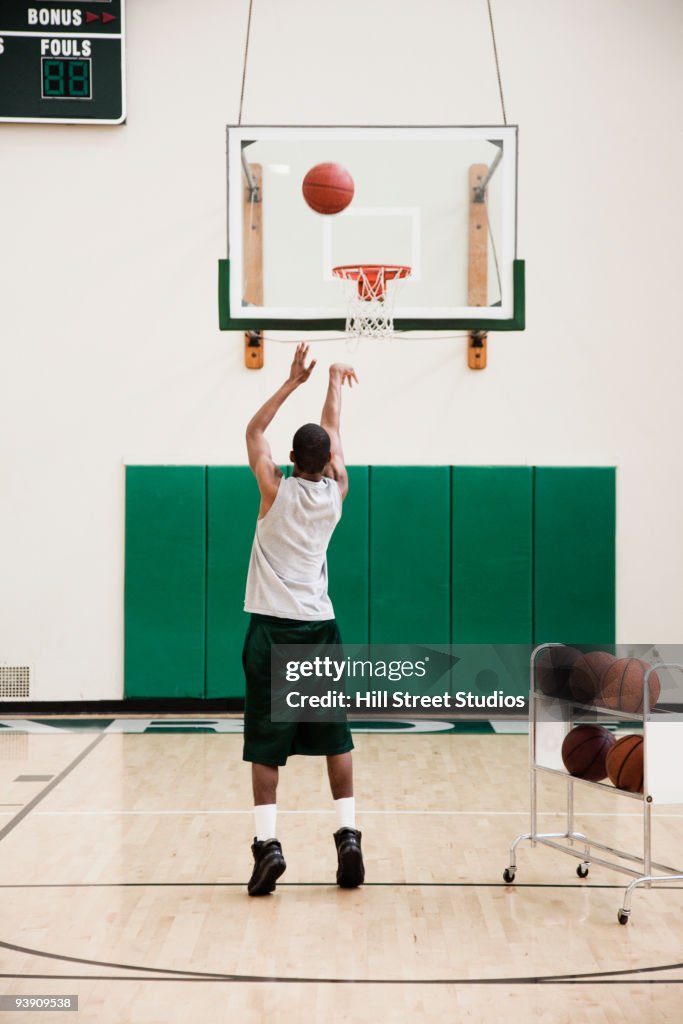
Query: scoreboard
[(62, 61)]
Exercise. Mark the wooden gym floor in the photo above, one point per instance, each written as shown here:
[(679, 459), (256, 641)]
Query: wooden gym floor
[(122, 881)]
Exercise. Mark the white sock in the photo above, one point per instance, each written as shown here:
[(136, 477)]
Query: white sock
[(265, 817), (345, 809)]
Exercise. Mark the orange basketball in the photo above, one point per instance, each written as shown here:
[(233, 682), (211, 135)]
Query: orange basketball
[(623, 686), (585, 750), (586, 676), (625, 763), (552, 669), (328, 188)]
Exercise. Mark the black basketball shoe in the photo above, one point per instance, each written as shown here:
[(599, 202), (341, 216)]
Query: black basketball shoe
[(269, 864), (351, 871)]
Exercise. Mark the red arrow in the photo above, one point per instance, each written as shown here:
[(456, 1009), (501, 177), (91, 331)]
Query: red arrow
[(89, 16), (107, 18)]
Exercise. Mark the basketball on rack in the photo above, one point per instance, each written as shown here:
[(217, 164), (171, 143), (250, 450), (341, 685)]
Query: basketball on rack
[(552, 670), (623, 686), (585, 750), (328, 188), (586, 675), (625, 763)]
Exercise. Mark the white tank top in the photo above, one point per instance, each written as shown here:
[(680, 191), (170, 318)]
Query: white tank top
[(288, 567)]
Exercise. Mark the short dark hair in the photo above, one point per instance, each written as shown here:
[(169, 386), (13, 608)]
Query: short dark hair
[(311, 447)]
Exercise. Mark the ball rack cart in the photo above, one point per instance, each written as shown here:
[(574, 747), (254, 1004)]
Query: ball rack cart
[(550, 719)]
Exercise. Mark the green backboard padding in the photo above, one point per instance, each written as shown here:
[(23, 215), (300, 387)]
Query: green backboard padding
[(348, 560), (492, 521), (165, 581), (243, 322), (232, 508), (410, 569), (575, 523)]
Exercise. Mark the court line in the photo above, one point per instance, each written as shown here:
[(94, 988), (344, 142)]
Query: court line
[(26, 810), (360, 814), (178, 975), (328, 885), (332, 981)]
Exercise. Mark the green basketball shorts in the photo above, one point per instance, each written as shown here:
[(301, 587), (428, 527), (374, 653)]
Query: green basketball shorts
[(267, 742)]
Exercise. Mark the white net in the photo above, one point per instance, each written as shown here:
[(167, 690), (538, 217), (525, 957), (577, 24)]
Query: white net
[(370, 298)]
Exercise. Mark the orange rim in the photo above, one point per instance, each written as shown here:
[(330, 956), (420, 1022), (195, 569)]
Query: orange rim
[(369, 274)]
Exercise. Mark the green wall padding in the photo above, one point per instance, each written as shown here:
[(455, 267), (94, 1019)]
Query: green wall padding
[(491, 529), (492, 554), (232, 508), (164, 581), (406, 532), (575, 524), (410, 569), (348, 560)]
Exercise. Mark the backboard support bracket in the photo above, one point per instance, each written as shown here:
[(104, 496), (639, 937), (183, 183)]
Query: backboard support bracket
[(254, 350), (477, 259), (476, 350), (252, 232)]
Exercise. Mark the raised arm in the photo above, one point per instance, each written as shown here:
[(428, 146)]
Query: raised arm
[(267, 474), (339, 373)]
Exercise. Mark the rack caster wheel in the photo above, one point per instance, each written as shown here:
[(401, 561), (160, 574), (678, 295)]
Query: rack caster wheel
[(622, 917), (582, 871), (509, 875)]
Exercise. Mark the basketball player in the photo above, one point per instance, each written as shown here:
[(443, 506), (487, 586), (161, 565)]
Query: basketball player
[(287, 597)]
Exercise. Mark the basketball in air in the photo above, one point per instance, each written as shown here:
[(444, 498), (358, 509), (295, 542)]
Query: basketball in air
[(328, 188)]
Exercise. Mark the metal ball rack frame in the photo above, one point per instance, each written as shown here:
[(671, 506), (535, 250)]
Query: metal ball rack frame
[(564, 841)]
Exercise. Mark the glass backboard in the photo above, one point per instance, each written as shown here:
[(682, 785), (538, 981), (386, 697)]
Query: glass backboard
[(440, 200)]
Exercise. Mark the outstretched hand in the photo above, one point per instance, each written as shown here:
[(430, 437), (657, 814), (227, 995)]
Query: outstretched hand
[(344, 372), (299, 372)]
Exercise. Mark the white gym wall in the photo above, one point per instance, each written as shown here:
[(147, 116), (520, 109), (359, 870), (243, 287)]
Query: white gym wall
[(111, 351)]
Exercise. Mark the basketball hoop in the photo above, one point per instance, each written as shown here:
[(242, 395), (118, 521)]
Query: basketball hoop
[(369, 300)]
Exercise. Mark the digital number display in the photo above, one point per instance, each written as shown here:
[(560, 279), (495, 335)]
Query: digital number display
[(67, 79)]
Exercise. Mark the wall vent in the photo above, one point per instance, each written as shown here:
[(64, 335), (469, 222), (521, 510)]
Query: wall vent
[(15, 682)]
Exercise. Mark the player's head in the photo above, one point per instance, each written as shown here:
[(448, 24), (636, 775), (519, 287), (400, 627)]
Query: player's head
[(310, 448)]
